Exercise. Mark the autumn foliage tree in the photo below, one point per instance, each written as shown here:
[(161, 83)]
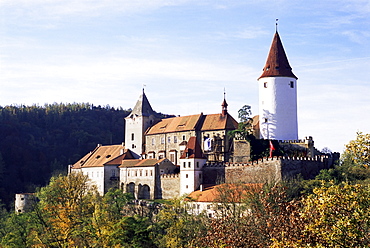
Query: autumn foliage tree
[(65, 211)]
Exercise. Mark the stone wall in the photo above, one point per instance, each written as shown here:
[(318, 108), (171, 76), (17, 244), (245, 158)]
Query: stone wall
[(265, 170), (242, 150), (170, 186)]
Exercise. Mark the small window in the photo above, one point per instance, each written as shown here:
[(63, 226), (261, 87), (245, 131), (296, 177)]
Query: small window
[(162, 140), (132, 136), (265, 84), (172, 157), (291, 84), (183, 137), (187, 186), (187, 176), (197, 164), (200, 176), (189, 164), (133, 146), (174, 139), (265, 119), (184, 164), (169, 140), (153, 142)]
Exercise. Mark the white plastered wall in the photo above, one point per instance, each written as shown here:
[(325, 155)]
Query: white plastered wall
[(278, 108)]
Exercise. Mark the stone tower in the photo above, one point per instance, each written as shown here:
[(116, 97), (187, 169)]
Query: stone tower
[(278, 96), (136, 123)]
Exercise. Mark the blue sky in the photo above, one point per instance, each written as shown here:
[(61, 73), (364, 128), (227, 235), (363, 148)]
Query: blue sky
[(186, 52)]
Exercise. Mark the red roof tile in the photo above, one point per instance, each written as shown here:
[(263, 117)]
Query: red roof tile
[(226, 192), (102, 155), (192, 149)]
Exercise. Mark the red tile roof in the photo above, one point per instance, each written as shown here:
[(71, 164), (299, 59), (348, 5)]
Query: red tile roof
[(103, 155), (192, 149), (140, 162), (226, 192), (219, 122), (277, 64), (175, 124), (194, 122)]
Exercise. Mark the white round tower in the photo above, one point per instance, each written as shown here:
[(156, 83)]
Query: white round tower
[(278, 96)]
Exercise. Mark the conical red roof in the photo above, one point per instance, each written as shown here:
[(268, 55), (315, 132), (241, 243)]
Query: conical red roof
[(277, 64)]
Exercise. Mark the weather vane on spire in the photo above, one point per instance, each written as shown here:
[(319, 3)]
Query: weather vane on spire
[(276, 23)]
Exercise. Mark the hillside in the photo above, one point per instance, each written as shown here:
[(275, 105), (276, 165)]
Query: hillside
[(40, 141)]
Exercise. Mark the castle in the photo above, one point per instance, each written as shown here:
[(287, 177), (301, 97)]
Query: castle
[(170, 157)]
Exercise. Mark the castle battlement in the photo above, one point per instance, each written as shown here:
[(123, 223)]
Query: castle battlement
[(317, 158), (164, 176)]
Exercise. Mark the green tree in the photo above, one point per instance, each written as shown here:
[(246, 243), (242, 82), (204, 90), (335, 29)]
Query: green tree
[(65, 212), (244, 113), (339, 215), (174, 227)]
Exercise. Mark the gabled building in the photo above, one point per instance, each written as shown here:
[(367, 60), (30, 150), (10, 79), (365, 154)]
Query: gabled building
[(101, 166), (169, 137)]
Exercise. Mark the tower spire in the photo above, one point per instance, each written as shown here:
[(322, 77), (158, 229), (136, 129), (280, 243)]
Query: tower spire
[(277, 64), (224, 104), (276, 24)]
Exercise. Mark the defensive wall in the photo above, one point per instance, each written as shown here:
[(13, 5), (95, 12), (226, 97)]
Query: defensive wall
[(266, 169)]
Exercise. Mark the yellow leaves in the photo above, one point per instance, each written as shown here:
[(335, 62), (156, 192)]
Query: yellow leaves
[(339, 213), (358, 150)]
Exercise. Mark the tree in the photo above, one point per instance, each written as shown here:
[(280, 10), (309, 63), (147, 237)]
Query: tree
[(65, 211), (339, 215), (244, 130), (358, 150), (174, 227), (244, 113)]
